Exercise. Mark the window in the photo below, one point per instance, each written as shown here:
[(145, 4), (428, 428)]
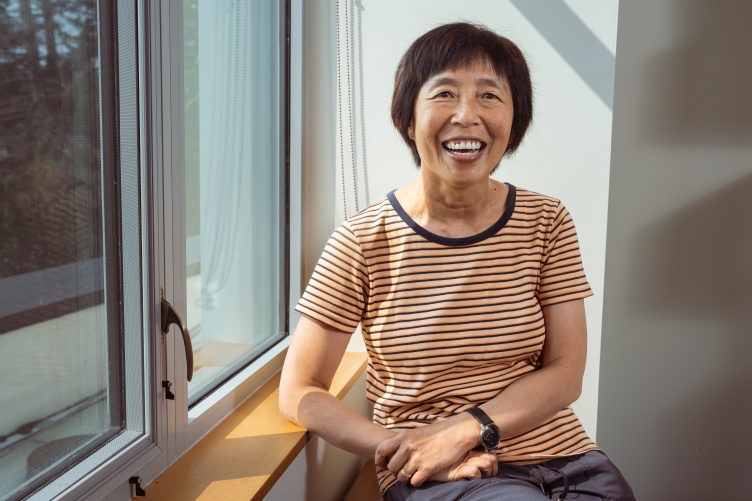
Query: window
[(234, 185), (64, 313), (144, 154)]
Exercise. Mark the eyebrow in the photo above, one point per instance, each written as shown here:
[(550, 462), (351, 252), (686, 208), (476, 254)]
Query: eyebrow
[(492, 82)]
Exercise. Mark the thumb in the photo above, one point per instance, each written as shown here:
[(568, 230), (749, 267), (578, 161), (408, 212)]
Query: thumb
[(385, 450), (466, 471)]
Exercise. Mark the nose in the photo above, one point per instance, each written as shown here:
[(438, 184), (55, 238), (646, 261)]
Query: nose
[(466, 112)]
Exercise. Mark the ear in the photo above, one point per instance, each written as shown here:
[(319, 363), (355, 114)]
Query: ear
[(410, 133)]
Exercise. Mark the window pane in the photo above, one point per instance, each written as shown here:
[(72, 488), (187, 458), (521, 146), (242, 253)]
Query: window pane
[(59, 345), (235, 252)]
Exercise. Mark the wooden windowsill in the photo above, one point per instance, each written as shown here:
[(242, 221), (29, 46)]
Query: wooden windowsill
[(246, 453)]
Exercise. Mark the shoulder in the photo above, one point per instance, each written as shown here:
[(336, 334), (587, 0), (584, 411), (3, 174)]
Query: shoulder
[(375, 221), (373, 212), (533, 200), (534, 206)]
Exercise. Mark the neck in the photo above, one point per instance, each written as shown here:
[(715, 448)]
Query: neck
[(454, 212)]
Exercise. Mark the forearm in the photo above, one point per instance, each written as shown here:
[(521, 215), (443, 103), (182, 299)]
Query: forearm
[(533, 399), (312, 359), (322, 413), (523, 405), (537, 396)]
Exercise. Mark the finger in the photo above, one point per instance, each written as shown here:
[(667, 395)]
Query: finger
[(486, 464), (419, 477), (385, 450), (486, 471), (401, 459), (492, 463), (405, 475), (469, 471)]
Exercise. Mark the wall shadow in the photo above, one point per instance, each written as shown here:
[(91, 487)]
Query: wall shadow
[(691, 274), (699, 89), (696, 262)]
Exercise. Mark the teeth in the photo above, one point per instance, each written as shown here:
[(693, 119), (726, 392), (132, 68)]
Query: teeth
[(463, 145)]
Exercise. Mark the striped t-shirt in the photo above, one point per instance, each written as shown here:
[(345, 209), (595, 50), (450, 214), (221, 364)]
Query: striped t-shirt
[(448, 323)]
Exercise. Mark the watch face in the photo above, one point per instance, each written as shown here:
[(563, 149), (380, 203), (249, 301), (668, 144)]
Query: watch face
[(490, 437)]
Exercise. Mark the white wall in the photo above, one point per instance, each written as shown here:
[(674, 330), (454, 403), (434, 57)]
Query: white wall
[(566, 153), (675, 406)]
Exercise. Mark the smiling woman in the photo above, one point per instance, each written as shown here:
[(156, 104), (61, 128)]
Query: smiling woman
[(460, 129), (504, 69), (469, 294), (463, 118)]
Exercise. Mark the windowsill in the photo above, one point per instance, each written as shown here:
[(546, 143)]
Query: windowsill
[(246, 453)]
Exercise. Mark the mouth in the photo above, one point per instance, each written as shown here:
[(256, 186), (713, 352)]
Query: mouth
[(468, 148)]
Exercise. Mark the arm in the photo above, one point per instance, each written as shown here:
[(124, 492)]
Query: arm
[(312, 359), (523, 405), (538, 396)]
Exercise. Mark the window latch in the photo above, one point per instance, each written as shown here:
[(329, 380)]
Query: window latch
[(136, 481), (169, 395), (169, 317)]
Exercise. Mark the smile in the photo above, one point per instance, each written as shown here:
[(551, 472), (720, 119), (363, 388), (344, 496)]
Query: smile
[(463, 148)]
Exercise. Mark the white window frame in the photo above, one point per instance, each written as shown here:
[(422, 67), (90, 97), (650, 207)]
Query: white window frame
[(192, 424), (187, 426), (109, 465), (170, 427)]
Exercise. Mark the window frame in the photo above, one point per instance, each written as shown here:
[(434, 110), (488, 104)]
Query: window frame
[(107, 466), (172, 428), (190, 424)]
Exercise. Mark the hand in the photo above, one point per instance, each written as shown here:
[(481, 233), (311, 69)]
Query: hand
[(441, 449), (476, 464)]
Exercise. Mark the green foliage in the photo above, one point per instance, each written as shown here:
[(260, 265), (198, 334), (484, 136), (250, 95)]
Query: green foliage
[(50, 165)]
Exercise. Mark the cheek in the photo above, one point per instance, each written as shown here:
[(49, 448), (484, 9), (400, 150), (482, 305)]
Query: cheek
[(427, 126), (503, 126)]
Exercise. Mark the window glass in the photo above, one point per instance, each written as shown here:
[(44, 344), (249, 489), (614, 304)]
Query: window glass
[(60, 344), (234, 184)]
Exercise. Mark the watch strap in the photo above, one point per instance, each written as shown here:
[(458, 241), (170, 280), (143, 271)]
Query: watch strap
[(490, 434), (480, 416)]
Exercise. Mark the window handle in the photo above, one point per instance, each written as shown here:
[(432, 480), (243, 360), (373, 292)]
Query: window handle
[(169, 317)]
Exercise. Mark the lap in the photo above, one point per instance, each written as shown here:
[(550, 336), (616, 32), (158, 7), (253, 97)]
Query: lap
[(585, 477)]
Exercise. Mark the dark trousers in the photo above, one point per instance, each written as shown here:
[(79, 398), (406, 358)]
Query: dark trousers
[(585, 477)]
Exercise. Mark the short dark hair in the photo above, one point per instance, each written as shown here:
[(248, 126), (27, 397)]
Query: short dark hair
[(448, 47)]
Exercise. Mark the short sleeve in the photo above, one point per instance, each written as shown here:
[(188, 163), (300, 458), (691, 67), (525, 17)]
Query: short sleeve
[(562, 276), (336, 294)]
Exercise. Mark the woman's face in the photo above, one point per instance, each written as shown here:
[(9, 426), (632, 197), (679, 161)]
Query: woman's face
[(461, 125)]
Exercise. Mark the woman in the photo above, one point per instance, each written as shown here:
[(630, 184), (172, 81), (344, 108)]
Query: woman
[(469, 293)]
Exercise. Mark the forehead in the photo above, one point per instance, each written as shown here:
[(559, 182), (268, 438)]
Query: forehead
[(478, 72)]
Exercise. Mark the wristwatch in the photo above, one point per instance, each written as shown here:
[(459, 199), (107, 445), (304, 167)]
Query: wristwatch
[(490, 434)]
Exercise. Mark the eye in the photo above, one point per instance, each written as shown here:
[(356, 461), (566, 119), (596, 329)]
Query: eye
[(444, 94), (489, 95)]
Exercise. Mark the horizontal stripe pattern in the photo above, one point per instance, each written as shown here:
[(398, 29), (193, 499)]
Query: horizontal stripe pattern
[(449, 323)]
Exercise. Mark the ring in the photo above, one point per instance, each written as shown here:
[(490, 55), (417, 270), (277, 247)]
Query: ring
[(404, 473)]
